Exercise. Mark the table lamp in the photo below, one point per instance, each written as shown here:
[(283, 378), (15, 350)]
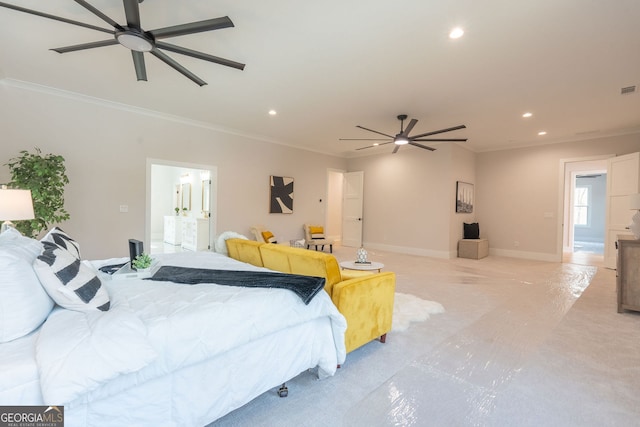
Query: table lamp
[(15, 205), (634, 203)]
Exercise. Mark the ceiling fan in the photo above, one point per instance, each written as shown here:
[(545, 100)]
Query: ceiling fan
[(133, 37), (403, 137)]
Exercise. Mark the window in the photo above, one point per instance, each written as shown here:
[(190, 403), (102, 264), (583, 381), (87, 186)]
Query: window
[(581, 205)]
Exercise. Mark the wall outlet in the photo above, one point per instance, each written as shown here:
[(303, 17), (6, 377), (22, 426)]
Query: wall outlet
[(516, 243), (124, 208)]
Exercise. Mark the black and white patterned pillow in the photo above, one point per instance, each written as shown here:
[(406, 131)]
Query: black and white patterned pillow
[(69, 282), (58, 237)]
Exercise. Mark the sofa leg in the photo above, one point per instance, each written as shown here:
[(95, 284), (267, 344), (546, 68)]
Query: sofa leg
[(383, 338)]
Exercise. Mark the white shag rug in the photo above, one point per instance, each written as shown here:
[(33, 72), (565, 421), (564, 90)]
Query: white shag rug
[(409, 308)]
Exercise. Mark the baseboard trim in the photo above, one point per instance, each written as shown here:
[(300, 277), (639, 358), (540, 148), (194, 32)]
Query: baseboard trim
[(411, 251), (535, 256)]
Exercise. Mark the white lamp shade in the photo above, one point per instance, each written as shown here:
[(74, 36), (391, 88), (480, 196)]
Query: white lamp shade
[(634, 201), (16, 205)]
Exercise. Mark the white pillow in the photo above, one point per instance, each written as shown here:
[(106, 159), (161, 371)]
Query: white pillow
[(24, 304), (58, 237), (68, 281), (221, 245)]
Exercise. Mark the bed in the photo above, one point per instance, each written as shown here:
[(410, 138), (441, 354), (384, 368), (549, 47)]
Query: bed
[(164, 353)]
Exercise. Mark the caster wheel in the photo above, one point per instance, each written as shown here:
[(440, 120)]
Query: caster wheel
[(283, 391)]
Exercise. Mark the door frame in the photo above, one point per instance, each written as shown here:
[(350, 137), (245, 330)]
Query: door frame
[(213, 196), (563, 197), (572, 170)]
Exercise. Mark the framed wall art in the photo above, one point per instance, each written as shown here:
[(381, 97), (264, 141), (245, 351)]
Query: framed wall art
[(281, 196), (464, 197)]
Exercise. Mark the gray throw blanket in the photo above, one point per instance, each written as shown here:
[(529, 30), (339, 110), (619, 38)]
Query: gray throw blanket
[(306, 287)]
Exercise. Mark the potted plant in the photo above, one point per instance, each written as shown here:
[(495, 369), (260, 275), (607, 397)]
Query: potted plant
[(142, 262), (177, 209), (45, 176)]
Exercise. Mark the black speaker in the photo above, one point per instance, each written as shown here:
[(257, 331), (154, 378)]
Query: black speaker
[(135, 249)]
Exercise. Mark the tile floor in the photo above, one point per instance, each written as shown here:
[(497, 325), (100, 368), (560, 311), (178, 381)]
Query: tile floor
[(522, 343)]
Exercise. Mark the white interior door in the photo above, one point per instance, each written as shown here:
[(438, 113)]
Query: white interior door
[(623, 179), (352, 209)]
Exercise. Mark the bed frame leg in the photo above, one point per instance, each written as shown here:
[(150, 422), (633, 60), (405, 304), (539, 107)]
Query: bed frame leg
[(383, 338), (283, 391)]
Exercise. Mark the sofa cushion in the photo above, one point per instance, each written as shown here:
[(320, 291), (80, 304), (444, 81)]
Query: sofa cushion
[(274, 259), (245, 250), (303, 262)]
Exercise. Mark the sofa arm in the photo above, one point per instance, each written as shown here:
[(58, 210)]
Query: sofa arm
[(367, 304)]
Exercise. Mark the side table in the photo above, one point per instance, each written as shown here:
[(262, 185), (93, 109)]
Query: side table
[(352, 265)]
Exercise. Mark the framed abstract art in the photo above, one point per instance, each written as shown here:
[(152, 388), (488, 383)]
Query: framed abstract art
[(281, 194)]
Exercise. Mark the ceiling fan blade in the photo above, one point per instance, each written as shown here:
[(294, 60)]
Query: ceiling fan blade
[(435, 132), (410, 126), (132, 13), (173, 64), (84, 46), (363, 139), (374, 145), (375, 131), (395, 150), (138, 63), (191, 28), (55, 18), (422, 146), (99, 14), (200, 55), (441, 140)]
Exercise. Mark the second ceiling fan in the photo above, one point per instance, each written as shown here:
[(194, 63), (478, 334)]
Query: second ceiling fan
[(403, 137)]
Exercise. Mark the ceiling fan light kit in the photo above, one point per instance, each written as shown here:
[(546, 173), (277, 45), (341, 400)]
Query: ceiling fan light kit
[(134, 38), (135, 41), (403, 138)]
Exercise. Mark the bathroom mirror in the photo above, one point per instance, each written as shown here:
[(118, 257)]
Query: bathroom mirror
[(186, 196)]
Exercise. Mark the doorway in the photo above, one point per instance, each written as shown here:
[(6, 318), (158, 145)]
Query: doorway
[(179, 190), (585, 202)]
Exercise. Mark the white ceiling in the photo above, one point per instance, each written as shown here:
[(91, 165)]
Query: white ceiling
[(327, 66)]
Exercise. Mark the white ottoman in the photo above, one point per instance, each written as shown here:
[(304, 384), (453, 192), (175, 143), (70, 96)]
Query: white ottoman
[(473, 248)]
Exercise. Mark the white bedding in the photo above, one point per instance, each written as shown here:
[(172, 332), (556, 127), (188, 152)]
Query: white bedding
[(182, 354)]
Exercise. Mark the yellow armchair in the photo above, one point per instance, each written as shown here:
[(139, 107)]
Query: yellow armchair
[(366, 301)]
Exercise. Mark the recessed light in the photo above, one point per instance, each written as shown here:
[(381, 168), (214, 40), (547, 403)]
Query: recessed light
[(527, 115), (456, 33), (272, 112), (375, 144), (542, 133)]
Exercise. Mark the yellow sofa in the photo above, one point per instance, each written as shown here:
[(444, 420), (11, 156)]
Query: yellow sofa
[(365, 300)]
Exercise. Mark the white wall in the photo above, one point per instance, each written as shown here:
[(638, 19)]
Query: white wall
[(518, 189), (106, 148), (335, 187), (409, 199)]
